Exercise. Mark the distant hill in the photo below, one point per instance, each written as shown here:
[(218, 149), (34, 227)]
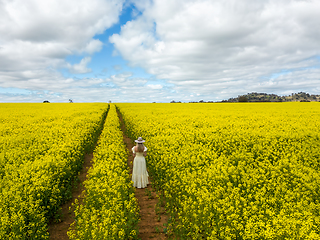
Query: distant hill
[(265, 97)]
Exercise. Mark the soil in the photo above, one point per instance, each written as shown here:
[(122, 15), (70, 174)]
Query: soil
[(58, 230), (151, 225)]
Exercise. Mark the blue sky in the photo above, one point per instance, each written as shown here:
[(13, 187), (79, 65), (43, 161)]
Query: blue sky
[(156, 51)]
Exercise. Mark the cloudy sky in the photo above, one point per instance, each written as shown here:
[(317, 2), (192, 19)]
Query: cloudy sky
[(157, 50)]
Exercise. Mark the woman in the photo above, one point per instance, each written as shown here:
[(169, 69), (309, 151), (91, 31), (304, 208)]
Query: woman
[(139, 172)]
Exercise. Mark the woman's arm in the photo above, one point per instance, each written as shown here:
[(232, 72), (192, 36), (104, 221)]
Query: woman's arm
[(133, 152), (145, 151)]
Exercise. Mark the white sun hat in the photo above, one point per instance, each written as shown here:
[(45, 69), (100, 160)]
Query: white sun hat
[(140, 140)]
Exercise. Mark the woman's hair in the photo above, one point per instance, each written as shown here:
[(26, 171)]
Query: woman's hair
[(140, 147)]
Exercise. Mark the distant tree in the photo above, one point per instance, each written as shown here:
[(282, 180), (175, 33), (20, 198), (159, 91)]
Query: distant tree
[(172, 101), (46, 101), (70, 100), (243, 99)]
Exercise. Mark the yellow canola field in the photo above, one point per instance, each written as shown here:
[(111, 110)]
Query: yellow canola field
[(234, 170), (110, 209), (41, 152)]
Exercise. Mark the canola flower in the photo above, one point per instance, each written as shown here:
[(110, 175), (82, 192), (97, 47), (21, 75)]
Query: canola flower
[(109, 210), (42, 148), (234, 171)]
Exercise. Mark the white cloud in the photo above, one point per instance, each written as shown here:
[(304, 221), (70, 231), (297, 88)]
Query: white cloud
[(227, 46), (37, 36), (81, 67), (155, 86), (117, 88), (202, 49), (93, 46), (51, 20)]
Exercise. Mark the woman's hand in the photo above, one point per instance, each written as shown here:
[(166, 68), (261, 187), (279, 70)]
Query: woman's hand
[(145, 154)]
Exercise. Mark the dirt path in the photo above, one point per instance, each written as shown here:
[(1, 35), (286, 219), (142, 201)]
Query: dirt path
[(150, 225), (58, 231)]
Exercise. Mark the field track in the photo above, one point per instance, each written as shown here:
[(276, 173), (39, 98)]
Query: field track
[(58, 231), (150, 225)]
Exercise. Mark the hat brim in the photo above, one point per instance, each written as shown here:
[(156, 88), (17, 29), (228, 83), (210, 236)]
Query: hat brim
[(139, 141)]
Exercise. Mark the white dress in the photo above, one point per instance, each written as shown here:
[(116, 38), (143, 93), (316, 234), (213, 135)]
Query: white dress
[(139, 172)]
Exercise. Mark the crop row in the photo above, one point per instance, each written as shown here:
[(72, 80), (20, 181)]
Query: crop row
[(109, 209), (234, 171), (42, 148)]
